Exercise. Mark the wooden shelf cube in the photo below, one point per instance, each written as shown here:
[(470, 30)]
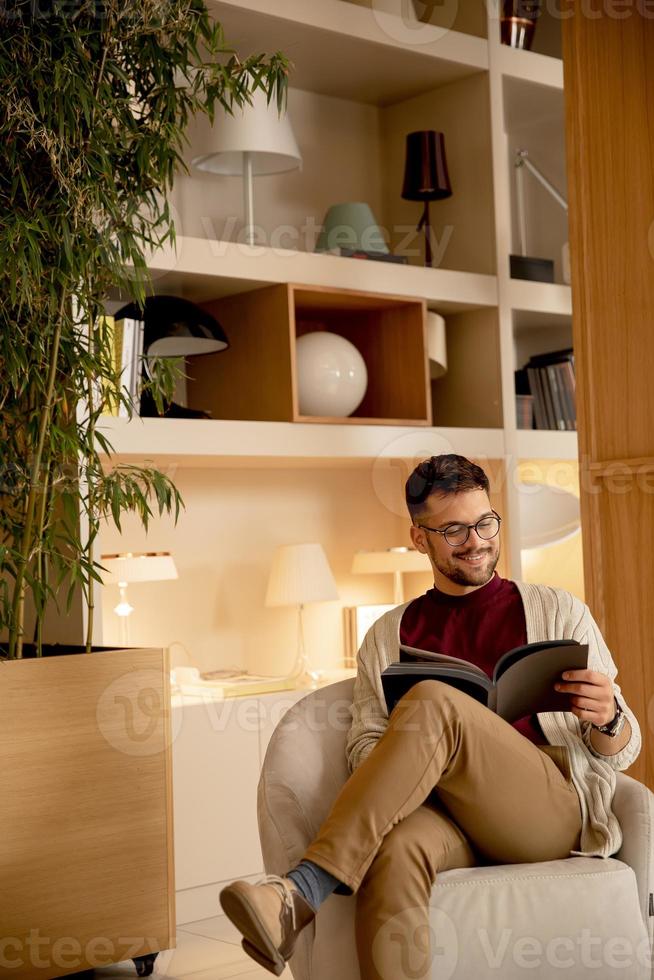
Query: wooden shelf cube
[(256, 377)]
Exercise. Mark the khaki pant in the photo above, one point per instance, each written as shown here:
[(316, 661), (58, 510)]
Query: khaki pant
[(449, 785)]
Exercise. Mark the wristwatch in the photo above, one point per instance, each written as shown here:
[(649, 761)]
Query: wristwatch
[(615, 726)]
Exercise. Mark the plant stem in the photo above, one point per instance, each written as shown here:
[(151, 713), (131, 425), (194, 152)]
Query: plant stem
[(42, 562), (92, 520), (18, 603)]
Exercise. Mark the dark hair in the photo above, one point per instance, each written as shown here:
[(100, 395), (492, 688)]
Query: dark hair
[(444, 474)]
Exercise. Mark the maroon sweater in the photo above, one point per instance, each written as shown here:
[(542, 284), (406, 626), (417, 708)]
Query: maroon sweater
[(478, 627)]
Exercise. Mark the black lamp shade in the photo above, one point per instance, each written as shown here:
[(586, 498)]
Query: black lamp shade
[(425, 172), (175, 327)]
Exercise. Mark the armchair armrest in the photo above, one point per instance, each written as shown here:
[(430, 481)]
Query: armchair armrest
[(633, 805)]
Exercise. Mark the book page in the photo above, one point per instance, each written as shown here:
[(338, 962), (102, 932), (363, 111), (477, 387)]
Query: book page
[(400, 678), (415, 655)]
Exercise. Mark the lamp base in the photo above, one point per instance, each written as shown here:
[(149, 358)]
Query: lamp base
[(148, 410), (307, 680), (526, 267)]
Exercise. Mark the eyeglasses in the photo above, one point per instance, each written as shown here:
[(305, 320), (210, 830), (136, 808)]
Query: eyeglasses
[(456, 534)]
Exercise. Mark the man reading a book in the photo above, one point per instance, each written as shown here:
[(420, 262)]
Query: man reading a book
[(444, 782)]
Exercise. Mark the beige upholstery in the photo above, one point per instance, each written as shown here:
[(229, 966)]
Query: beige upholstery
[(566, 918)]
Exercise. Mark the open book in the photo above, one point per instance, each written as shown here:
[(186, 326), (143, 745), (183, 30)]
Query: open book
[(522, 683)]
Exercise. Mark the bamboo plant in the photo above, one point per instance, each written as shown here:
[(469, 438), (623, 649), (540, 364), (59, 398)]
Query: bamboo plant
[(95, 98)]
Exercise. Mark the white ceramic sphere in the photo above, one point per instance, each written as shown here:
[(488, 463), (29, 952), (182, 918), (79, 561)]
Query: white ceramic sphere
[(331, 374)]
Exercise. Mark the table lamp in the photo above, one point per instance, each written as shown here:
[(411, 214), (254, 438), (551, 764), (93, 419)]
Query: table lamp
[(395, 561), (300, 573), (523, 267), (253, 141), (174, 327), (425, 176), (135, 566), (351, 225)]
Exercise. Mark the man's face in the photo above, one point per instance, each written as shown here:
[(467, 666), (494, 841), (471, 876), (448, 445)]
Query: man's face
[(454, 572)]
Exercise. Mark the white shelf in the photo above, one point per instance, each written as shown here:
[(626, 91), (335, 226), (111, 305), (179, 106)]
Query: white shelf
[(339, 49), (531, 67), (207, 443), (546, 444), (203, 269), (541, 297)]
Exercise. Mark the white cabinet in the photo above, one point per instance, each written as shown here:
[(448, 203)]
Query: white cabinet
[(218, 750)]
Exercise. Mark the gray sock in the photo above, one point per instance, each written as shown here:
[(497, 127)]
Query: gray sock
[(314, 883)]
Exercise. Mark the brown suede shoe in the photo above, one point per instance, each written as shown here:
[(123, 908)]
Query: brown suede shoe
[(270, 916)]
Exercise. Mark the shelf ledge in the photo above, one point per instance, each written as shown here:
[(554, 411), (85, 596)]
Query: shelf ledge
[(206, 443), (388, 58), (546, 444), (528, 66), (202, 269), (541, 297)]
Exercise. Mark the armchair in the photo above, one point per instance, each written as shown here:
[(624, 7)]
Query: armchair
[(547, 920)]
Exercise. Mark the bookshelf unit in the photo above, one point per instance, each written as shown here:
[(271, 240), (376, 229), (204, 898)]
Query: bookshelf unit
[(350, 123)]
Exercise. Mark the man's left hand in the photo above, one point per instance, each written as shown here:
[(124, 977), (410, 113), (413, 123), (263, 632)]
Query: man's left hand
[(591, 695)]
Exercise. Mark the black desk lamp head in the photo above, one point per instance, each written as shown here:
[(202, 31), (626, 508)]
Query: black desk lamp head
[(425, 176), (174, 327)]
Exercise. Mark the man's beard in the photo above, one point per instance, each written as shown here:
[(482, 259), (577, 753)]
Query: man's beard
[(458, 571)]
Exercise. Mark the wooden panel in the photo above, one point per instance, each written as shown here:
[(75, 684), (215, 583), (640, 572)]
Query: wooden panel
[(86, 849), (469, 394), (609, 85), (252, 379), (392, 341)]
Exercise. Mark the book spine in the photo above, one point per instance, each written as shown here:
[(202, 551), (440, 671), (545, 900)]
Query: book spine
[(108, 401), (126, 357), (568, 407), (137, 366), (547, 393), (557, 405), (570, 387), (539, 410)]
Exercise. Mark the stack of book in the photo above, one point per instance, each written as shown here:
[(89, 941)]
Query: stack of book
[(550, 379), (361, 253), (127, 358)]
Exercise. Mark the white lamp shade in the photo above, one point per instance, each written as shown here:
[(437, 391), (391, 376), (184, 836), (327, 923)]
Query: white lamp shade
[(436, 345), (391, 560), (300, 573), (548, 515), (143, 566), (257, 129)]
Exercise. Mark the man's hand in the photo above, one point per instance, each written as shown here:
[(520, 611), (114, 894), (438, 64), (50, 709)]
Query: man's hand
[(591, 695)]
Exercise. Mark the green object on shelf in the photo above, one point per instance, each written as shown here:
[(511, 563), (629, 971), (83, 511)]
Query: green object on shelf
[(351, 225)]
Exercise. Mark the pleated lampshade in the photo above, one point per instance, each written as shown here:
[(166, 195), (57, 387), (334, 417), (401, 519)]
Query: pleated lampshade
[(300, 573), (425, 170)]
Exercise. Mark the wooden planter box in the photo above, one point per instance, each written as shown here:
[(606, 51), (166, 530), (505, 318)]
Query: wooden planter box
[(256, 377), (86, 839)]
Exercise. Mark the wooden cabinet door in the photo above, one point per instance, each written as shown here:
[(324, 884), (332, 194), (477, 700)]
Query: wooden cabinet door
[(609, 89)]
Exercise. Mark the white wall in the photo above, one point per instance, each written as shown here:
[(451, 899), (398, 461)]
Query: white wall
[(223, 546)]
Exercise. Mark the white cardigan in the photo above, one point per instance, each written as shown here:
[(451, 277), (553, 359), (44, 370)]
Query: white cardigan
[(551, 614)]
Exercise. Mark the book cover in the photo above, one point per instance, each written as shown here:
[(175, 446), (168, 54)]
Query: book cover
[(522, 682), (360, 253)]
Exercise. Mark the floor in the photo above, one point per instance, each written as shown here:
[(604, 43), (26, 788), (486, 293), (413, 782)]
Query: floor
[(206, 950)]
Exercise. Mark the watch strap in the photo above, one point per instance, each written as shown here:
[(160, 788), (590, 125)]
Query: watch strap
[(612, 727)]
